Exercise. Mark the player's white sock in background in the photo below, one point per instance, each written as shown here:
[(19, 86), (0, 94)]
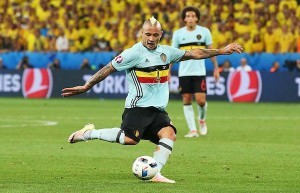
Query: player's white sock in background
[(111, 135), (163, 151), (202, 112), (201, 118), (190, 117)]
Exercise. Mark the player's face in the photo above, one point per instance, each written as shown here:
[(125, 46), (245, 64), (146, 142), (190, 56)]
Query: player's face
[(190, 18), (151, 36)]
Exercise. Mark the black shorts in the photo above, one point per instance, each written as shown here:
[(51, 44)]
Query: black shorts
[(192, 84), (144, 123)]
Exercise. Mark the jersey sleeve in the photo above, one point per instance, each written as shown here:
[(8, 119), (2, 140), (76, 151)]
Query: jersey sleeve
[(127, 59), (175, 54), (208, 39)]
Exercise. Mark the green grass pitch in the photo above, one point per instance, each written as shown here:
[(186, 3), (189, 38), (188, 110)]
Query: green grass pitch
[(249, 148)]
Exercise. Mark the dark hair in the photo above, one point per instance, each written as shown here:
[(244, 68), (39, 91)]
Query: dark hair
[(194, 9)]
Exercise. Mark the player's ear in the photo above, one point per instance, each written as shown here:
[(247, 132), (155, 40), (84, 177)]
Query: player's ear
[(161, 33)]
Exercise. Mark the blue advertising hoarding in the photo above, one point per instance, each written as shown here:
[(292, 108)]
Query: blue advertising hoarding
[(251, 86)]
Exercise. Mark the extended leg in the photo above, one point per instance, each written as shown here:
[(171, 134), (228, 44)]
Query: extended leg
[(109, 134)]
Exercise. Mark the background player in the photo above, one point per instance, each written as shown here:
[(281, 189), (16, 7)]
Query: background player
[(144, 117), (192, 73)]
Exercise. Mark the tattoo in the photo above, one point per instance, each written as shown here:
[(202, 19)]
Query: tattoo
[(100, 75), (207, 53), (200, 54)]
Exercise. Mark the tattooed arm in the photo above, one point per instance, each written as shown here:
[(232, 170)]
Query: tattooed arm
[(96, 78), (207, 53)]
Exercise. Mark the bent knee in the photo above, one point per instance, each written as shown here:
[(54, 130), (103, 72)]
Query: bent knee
[(129, 141), (167, 132)]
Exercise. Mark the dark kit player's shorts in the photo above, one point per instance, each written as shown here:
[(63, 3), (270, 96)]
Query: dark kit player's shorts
[(192, 84), (144, 123)]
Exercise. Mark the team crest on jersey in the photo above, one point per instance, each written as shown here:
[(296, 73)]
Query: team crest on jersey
[(198, 36), (119, 59), (136, 133), (163, 57)]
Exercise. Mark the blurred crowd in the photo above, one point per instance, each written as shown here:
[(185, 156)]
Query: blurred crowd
[(113, 25)]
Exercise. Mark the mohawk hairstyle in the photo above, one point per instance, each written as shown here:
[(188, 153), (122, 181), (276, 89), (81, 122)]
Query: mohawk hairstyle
[(153, 22)]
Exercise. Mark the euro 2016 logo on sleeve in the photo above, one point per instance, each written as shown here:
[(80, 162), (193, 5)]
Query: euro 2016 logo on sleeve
[(119, 59), (244, 86), (37, 83)]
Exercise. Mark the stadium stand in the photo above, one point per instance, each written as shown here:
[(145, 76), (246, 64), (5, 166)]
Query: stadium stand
[(80, 27)]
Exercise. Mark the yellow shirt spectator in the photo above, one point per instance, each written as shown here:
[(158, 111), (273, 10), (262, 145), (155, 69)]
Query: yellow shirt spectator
[(242, 28), (286, 40), (42, 14), (257, 44), (12, 33), (222, 38), (270, 40), (117, 6), (81, 44), (292, 4), (35, 42)]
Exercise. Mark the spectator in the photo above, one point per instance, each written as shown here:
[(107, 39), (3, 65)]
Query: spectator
[(257, 45), (102, 18), (270, 40), (292, 65), (55, 65), (298, 44), (5, 43), (35, 41), (85, 65), (298, 65), (82, 44), (226, 67), (62, 42), (244, 66), (101, 45), (24, 63), (2, 66), (275, 67), (286, 40)]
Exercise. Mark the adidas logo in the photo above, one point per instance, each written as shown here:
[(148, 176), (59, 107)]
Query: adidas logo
[(147, 60)]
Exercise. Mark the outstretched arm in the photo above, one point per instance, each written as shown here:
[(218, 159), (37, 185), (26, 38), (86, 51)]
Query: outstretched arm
[(216, 66), (96, 78), (207, 53)]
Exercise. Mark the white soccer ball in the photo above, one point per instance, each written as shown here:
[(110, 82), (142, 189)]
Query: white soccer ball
[(144, 167)]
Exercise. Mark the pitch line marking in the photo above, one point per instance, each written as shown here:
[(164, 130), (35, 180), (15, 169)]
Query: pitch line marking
[(26, 123)]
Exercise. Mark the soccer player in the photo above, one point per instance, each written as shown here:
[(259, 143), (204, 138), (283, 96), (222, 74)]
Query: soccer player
[(144, 117), (192, 73)]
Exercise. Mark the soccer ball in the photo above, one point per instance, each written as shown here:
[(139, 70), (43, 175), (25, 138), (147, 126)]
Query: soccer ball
[(144, 167)]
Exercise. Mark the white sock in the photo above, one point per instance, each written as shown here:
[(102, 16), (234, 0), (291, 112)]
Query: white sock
[(164, 149), (111, 135), (202, 112), (189, 117)]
